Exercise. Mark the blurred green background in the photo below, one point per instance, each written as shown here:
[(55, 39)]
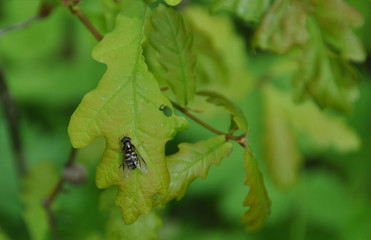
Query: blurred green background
[(48, 69)]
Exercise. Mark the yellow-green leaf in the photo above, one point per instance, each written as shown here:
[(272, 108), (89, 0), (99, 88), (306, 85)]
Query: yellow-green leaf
[(257, 199), (227, 43), (173, 42), (38, 183), (191, 161), (284, 26), (335, 18), (328, 131), (281, 148), (248, 10), (328, 78), (219, 100), (146, 227), (127, 102), (173, 2)]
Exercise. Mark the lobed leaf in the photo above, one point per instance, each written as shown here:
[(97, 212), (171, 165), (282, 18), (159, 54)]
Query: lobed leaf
[(229, 45), (191, 161), (322, 29), (281, 148), (37, 185), (257, 199), (173, 2), (335, 18), (284, 26), (173, 42), (210, 65), (248, 10), (219, 100), (326, 77), (146, 227), (327, 132), (127, 102)]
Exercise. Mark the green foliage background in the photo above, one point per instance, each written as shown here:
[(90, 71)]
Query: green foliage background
[(315, 162)]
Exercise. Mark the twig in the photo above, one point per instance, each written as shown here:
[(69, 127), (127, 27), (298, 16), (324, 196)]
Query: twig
[(53, 194), (77, 11), (240, 139), (11, 114), (18, 25), (44, 10)]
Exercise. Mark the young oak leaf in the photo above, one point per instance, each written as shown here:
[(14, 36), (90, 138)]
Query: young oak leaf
[(284, 26), (146, 227), (127, 102), (191, 161), (37, 185), (173, 42), (257, 198), (325, 76), (282, 155), (219, 100), (335, 18), (248, 10), (318, 28)]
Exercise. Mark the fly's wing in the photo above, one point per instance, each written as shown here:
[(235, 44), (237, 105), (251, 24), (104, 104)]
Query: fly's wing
[(126, 169), (125, 166), (141, 164)]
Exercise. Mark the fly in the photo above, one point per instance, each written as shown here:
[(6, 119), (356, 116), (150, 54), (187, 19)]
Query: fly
[(131, 158)]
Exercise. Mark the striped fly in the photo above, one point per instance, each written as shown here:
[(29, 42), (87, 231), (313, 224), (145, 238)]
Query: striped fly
[(131, 158)]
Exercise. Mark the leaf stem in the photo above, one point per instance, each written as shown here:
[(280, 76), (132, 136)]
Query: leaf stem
[(53, 194), (240, 139), (11, 114), (78, 12)]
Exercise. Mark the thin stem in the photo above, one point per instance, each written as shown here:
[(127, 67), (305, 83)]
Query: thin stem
[(240, 139), (54, 193), (18, 25), (11, 114), (77, 11)]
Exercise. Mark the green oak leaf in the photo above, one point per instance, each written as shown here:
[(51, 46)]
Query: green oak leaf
[(173, 2), (219, 100), (248, 10), (284, 26), (335, 18), (37, 184), (146, 227), (322, 31), (328, 131), (173, 42), (281, 148), (210, 65), (286, 120), (229, 50), (326, 77), (127, 102), (191, 161), (257, 199)]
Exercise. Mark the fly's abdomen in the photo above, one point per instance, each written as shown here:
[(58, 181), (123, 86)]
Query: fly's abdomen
[(131, 159)]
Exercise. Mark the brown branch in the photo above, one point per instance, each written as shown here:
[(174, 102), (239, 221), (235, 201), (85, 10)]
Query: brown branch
[(77, 11), (54, 193), (240, 139), (11, 114)]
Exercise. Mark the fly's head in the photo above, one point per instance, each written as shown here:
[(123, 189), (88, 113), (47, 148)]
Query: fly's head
[(125, 139)]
